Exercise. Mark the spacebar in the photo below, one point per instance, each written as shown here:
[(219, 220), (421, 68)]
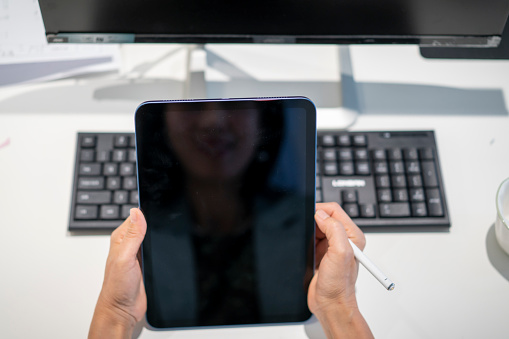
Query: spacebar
[(396, 209)]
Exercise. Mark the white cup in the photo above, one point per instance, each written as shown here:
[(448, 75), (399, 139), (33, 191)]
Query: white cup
[(502, 222)]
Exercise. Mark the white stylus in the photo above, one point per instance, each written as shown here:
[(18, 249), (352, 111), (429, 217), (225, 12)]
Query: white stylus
[(359, 255)]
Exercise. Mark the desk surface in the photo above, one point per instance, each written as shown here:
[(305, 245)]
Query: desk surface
[(449, 285)]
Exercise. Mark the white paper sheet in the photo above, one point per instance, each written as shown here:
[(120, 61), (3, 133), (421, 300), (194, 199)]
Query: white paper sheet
[(25, 55)]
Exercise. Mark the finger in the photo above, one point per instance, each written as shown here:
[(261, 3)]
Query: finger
[(332, 228), (319, 235), (352, 230), (135, 232)]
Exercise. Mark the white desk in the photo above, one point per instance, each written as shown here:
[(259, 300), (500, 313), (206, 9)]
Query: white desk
[(449, 285)]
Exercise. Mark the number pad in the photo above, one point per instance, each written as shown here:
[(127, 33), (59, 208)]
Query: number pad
[(382, 178)]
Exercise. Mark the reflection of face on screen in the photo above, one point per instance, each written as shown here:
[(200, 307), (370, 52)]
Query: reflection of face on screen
[(213, 145), (226, 241), (214, 150)]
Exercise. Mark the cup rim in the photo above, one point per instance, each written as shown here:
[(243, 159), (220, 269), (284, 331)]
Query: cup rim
[(499, 214)]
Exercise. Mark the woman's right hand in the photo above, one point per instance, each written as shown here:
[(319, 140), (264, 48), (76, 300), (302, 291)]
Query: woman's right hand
[(331, 295)]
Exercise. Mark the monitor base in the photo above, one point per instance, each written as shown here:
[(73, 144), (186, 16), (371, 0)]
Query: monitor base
[(227, 71)]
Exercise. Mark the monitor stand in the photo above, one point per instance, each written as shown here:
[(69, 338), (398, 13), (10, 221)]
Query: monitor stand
[(233, 71)]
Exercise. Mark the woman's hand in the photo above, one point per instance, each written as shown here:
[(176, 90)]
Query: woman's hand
[(122, 301), (331, 295)]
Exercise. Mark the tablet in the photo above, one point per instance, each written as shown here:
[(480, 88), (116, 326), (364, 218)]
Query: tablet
[(227, 188)]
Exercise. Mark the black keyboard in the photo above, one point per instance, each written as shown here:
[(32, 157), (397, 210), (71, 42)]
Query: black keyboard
[(379, 178), (389, 179)]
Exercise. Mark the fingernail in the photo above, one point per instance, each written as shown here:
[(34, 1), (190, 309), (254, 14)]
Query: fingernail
[(321, 214), (132, 213)]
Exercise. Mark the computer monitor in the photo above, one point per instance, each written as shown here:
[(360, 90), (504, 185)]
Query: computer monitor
[(471, 23), (423, 22)]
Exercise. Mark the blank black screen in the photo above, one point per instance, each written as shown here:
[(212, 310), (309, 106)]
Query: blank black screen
[(227, 188)]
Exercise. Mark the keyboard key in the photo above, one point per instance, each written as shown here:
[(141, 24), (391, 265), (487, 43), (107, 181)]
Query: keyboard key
[(330, 168), (396, 167), (110, 169), (90, 169), (426, 153), (410, 154), (329, 155), (346, 168), (87, 155), (132, 141), (429, 174), (361, 154), (93, 197), (119, 155), (120, 197), (400, 194), (382, 181), (359, 140), (381, 167), (398, 181), (109, 212), (394, 210), (378, 154), (129, 183), (394, 154), (328, 141), (85, 212), (352, 210), (344, 140), (318, 182), (121, 141), (126, 169), (434, 202), (413, 167), (416, 194), (345, 154), (414, 180), (349, 196), (103, 156), (367, 210), (88, 141), (113, 183), (91, 183), (419, 209), (362, 168), (384, 195)]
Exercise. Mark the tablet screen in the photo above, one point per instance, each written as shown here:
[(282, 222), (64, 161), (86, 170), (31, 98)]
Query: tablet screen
[(227, 189)]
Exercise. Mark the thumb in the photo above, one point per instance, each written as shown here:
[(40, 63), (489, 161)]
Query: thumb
[(135, 231), (332, 228)]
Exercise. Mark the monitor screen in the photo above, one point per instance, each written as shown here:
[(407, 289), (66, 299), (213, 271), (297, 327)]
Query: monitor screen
[(423, 22)]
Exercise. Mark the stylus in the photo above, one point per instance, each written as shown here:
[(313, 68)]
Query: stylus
[(359, 255)]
